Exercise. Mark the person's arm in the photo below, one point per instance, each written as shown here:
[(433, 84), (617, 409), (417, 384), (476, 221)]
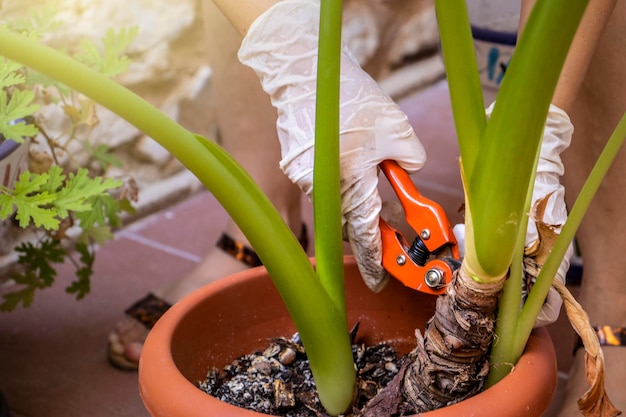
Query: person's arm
[(241, 13), (581, 52), (280, 42)]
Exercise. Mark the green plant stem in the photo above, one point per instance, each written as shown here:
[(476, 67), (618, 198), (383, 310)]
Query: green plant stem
[(514, 327), (327, 193), (313, 312), (510, 306), (511, 350), (466, 95), (326, 174), (508, 149), (544, 280), (519, 116)]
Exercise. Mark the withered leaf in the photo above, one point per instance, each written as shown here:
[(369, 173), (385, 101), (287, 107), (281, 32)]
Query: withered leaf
[(594, 402), (547, 232)]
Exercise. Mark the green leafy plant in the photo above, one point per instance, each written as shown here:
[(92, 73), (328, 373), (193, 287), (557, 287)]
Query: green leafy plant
[(47, 198), (498, 160), (315, 299)]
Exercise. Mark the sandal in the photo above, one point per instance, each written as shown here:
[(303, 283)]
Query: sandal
[(150, 308), (146, 311), (607, 336)]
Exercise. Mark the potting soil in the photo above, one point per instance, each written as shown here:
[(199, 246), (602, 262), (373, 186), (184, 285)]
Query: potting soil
[(278, 381)]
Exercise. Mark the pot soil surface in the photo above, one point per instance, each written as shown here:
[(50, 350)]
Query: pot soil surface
[(278, 380)]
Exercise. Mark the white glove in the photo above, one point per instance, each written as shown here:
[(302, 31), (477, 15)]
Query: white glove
[(281, 47), (557, 136)]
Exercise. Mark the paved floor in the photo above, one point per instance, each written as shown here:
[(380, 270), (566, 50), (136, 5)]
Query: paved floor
[(52, 355)]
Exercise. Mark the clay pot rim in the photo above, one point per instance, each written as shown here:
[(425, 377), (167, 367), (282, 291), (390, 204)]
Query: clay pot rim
[(538, 361)]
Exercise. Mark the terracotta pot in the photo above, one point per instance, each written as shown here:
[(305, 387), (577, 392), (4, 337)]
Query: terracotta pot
[(238, 314)]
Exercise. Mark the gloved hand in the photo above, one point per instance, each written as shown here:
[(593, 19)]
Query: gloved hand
[(281, 47), (557, 136)]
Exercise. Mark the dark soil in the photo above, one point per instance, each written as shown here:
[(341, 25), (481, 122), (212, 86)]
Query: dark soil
[(278, 380)]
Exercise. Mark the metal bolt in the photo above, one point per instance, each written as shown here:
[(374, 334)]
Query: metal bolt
[(425, 234), (434, 278), (401, 260)]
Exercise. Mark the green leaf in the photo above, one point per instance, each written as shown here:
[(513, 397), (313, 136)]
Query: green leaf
[(496, 193), (127, 206), (18, 106), (327, 193), (37, 258), (54, 179), (31, 209), (97, 234), (6, 206), (13, 299), (82, 285), (44, 199), (43, 18), (29, 183), (38, 22), (38, 272), (9, 75), (110, 59), (103, 155), (104, 211), (79, 189), (31, 203)]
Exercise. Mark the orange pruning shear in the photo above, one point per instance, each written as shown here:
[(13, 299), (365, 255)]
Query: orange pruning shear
[(426, 264)]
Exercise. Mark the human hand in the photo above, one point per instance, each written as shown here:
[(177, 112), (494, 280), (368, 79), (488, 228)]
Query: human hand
[(556, 138), (281, 47)]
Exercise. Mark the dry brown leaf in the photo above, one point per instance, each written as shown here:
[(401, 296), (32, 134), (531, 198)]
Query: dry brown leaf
[(72, 112), (89, 114), (84, 114), (594, 402), (39, 162), (547, 232)]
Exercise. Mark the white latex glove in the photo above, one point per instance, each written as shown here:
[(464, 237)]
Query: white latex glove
[(281, 47), (557, 137)]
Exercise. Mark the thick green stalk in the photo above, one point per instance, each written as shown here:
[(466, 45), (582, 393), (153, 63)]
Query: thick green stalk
[(512, 349), (510, 306), (322, 329), (513, 346), (327, 193), (504, 165), (497, 177), (461, 66), (544, 280)]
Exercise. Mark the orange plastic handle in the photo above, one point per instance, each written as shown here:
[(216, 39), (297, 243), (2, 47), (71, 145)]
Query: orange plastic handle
[(428, 219)]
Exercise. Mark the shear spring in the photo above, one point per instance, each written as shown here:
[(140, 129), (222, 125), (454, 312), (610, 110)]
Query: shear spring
[(418, 252)]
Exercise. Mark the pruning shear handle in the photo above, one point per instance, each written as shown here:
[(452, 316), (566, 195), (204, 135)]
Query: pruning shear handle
[(427, 263)]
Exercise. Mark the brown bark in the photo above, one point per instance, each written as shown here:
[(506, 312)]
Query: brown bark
[(450, 362)]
